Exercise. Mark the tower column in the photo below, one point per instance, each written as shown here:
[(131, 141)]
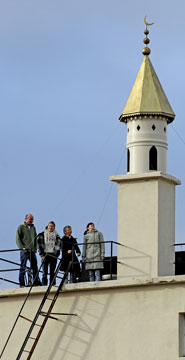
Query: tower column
[(146, 224), (146, 195), (147, 144)]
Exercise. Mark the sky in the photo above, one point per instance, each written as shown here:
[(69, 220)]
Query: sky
[(66, 71)]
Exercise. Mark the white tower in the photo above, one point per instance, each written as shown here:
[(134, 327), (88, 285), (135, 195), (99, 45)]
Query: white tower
[(147, 113), (146, 195)]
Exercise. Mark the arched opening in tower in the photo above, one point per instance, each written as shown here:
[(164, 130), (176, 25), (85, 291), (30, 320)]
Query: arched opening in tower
[(153, 158), (128, 160)]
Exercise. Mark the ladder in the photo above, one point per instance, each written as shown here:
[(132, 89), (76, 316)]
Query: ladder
[(46, 315), (39, 313)]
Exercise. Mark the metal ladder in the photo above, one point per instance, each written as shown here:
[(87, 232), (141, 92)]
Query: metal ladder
[(48, 314), (39, 313)]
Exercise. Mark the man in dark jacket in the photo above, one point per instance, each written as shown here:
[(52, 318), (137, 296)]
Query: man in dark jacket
[(26, 242), (70, 248)]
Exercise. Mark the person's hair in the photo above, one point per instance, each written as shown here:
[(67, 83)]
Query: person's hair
[(91, 223), (66, 227), (27, 216), (51, 222)]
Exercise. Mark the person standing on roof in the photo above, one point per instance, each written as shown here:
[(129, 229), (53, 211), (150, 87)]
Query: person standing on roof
[(70, 249), (26, 242), (93, 252), (49, 250)]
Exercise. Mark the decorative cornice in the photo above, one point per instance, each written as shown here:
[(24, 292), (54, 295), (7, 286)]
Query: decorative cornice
[(139, 116)]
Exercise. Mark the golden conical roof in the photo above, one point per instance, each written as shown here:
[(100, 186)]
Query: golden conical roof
[(147, 97)]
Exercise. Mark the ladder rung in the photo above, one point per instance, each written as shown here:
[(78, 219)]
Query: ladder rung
[(25, 318), (27, 351), (49, 299), (68, 314), (32, 338), (49, 316)]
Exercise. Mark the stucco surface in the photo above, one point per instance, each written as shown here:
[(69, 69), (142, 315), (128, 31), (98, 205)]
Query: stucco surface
[(130, 319), (146, 224)]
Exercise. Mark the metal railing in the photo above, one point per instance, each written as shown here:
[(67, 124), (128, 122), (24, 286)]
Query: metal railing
[(28, 269), (179, 244)]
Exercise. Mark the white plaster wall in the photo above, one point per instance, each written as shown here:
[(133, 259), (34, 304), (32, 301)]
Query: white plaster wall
[(146, 224), (166, 228), (138, 228), (161, 159), (117, 322), (140, 142), (139, 158)]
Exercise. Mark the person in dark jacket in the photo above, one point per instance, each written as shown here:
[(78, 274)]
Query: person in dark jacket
[(26, 242), (70, 248), (49, 250), (93, 252)]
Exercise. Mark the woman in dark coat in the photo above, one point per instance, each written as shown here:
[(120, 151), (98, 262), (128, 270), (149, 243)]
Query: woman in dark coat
[(70, 248)]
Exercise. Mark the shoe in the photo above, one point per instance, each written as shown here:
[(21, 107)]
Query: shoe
[(37, 282)]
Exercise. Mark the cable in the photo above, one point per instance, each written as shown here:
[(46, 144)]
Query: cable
[(85, 170), (110, 189), (180, 137)]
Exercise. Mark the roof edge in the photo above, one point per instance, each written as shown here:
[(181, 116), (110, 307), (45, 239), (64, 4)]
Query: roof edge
[(141, 115)]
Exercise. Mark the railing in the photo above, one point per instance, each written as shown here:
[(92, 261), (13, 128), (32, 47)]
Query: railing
[(28, 268), (112, 243), (179, 244)]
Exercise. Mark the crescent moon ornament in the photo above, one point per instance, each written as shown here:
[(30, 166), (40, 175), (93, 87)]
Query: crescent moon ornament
[(146, 51), (146, 23)]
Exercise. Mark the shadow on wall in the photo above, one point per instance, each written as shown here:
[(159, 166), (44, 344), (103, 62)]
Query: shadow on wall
[(134, 263), (78, 332)]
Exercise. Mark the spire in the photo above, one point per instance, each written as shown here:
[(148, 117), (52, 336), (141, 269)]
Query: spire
[(147, 97), (146, 51)]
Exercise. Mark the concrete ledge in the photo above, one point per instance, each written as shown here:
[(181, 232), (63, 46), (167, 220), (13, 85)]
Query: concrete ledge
[(145, 176), (102, 285)]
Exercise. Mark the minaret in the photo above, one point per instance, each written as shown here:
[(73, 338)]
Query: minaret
[(147, 113), (146, 195)]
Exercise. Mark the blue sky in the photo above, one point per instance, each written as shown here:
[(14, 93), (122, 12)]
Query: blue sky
[(66, 70)]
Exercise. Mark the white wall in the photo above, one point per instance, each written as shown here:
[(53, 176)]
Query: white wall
[(140, 142), (136, 319), (146, 224)]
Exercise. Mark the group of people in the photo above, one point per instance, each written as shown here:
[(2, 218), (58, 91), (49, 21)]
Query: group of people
[(50, 245)]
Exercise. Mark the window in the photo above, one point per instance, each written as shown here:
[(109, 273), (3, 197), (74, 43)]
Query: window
[(182, 335), (128, 160), (153, 158)]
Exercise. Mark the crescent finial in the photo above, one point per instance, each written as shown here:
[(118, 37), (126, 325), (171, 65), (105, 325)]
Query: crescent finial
[(146, 23), (146, 51)]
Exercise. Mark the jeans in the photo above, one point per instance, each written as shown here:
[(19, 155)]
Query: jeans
[(24, 257), (49, 261), (94, 275)]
